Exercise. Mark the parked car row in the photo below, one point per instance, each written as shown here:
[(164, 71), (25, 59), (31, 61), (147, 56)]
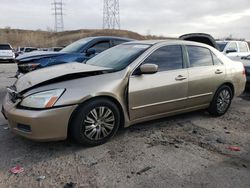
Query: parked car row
[(234, 49), (130, 83), (78, 51), (84, 49)]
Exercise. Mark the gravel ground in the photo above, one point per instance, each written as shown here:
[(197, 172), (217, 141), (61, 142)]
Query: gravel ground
[(189, 150)]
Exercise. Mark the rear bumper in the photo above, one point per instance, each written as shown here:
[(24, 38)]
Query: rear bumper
[(42, 125), (7, 59)]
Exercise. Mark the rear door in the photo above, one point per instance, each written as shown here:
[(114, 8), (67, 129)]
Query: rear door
[(206, 73), (162, 92)]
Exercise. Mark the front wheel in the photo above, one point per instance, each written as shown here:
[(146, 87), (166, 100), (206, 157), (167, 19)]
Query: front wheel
[(221, 101), (95, 122)]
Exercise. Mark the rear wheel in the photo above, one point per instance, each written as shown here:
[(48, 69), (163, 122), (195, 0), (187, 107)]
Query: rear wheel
[(221, 101), (95, 122)]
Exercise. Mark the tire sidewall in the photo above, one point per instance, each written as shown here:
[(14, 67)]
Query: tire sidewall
[(77, 126), (213, 109)]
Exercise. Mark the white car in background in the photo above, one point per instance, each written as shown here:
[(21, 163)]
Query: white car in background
[(235, 50), (6, 53), (22, 50)]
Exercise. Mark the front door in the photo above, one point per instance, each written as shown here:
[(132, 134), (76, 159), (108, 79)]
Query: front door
[(162, 92)]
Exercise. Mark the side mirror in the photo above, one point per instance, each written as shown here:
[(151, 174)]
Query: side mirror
[(231, 51), (90, 51), (148, 68)]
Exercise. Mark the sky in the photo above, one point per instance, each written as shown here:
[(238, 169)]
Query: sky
[(156, 17)]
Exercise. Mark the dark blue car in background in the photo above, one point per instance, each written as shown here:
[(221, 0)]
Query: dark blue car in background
[(79, 51)]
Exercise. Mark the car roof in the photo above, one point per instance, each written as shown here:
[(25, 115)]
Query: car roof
[(5, 44), (169, 41), (110, 37), (230, 41)]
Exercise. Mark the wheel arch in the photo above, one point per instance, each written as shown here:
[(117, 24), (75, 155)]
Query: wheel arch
[(115, 101), (229, 84)]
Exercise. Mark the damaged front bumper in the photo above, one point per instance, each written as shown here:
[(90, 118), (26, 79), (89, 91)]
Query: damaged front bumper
[(39, 125)]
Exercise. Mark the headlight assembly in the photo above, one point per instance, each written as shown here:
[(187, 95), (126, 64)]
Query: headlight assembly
[(29, 66), (42, 100)]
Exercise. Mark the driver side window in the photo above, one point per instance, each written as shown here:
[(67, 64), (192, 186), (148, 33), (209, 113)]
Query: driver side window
[(167, 58), (101, 46)]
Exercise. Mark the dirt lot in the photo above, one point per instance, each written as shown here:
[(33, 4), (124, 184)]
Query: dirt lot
[(189, 150)]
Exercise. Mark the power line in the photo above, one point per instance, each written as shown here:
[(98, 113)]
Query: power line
[(111, 14), (57, 7)]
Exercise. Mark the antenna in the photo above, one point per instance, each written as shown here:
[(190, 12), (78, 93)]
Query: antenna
[(57, 7), (111, 14)]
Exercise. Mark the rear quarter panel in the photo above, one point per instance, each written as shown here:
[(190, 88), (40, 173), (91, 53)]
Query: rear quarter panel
[(234, 73)]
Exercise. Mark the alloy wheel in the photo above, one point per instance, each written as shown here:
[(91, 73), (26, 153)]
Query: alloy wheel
[(99, 123), (223, 100)]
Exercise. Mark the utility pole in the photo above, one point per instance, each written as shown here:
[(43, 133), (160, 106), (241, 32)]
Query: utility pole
[(111, 14), (57, 7)]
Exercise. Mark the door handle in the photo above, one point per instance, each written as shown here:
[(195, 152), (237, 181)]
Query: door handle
[(218, 71), (180, 78)]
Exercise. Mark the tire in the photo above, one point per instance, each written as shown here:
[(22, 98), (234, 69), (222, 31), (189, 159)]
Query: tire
[(221, 101), (95, 122)]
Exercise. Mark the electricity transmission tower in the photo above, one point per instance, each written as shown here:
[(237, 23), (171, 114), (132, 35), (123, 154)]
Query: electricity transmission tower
[(57, 7), (111, 14)]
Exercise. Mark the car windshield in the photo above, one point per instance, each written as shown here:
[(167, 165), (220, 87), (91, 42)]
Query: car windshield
[(5, 47), (75, 47), (119, 57), (222, 45)]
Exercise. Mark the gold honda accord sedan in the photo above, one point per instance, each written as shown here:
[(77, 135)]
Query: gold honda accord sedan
[(131, 83)]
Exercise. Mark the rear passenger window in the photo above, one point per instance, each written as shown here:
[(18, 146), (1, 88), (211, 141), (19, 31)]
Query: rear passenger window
[(243, 47), (167, 58), (199, 56), (216, 60)]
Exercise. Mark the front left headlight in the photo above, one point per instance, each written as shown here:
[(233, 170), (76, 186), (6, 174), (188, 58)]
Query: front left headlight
[(42, 100)]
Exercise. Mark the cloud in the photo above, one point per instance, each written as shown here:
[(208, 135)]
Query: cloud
[(161, 17), (227, 18)]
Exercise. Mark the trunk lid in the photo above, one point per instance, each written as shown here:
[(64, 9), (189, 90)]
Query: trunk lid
[(202, 38)]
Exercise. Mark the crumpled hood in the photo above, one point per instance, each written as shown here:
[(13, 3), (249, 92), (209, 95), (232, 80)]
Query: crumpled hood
[(59, 72), (37, 55)]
